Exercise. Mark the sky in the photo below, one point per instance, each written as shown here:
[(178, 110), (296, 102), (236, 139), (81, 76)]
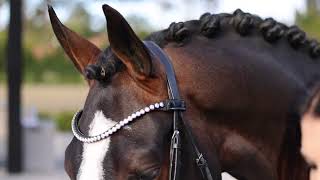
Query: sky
[(282, 10), (156, 16)]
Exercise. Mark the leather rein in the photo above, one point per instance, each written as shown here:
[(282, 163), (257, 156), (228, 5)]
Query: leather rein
[(173, 104)]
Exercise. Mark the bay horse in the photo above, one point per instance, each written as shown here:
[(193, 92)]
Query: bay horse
[(240, 76), (310, 128)]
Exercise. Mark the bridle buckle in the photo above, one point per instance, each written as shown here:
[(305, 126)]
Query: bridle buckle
[(174, 105), (201, 161), (175, 140)]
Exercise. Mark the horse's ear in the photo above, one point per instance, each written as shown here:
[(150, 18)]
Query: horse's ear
[(126, 45), (81, 51)]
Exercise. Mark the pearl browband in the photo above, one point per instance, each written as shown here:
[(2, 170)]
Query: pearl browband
[(90, 139)]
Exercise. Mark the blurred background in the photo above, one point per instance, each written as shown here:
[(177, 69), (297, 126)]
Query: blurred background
[(35, 68)]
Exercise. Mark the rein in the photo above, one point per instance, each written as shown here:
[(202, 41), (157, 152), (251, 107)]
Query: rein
[(173, 104)]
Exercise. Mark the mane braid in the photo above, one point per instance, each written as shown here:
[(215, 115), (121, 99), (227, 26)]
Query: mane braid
[(209, 25)]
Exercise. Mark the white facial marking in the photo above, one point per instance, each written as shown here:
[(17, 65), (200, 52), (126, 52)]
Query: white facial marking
[(226, 176), (93, 154)]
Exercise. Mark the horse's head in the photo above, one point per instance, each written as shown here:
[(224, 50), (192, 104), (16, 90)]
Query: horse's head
[(123, 79)]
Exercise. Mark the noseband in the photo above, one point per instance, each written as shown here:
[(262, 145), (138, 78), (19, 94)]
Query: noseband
[(173, 104)]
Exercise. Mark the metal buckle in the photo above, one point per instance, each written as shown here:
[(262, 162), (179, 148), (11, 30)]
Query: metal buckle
[(174, 156), (175, 140), (201, 161), (174, 105)]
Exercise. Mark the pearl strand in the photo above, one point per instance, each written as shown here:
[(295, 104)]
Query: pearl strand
[(91, 139)]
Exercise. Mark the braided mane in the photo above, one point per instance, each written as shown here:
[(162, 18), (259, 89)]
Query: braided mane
[(213, 25), (210, 25)]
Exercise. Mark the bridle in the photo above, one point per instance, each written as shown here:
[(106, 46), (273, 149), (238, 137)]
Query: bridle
[(173, 104)]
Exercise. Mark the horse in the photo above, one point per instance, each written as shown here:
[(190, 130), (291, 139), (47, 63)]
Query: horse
[(310, 128), (241, 78)]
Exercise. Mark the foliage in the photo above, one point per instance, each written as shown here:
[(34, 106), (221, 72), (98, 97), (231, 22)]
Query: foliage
[(43, 116), (43, 58), (63, 121), (3, 39), (54, 68), (79, 21), (310, 20), (44, 61), (140, 26)]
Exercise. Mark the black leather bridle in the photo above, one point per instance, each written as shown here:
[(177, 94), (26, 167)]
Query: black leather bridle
[(177, 106)]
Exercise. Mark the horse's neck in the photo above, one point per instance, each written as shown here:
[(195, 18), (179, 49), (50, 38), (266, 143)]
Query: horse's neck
[(220, 95)]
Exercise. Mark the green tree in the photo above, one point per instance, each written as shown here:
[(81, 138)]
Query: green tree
[(79, 20), (310, 20)]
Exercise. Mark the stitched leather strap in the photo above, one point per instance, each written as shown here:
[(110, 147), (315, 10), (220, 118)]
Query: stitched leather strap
[(176, 105)]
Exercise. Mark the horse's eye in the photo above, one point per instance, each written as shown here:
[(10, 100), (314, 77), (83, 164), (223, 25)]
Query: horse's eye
[(146, 175), (149, 174)]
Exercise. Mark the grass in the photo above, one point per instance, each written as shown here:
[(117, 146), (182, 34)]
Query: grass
[(62, 120)]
